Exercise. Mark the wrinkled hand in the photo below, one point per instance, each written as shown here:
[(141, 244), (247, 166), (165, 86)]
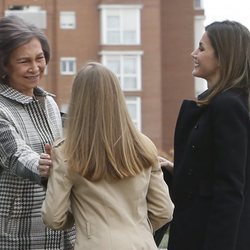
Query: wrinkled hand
[(164, 163), (45, 162)]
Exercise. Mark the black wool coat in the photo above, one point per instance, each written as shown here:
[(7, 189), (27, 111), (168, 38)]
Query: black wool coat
[(211, 181)]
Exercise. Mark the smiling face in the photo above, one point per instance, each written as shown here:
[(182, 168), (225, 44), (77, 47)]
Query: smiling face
[(206, 64), (26, 66)]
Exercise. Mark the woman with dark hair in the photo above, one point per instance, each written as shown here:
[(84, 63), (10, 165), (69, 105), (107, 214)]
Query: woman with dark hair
[(106, 175), (29, 119), (211, 178)]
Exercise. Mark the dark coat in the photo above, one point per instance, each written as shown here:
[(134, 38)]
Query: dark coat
[(211, 183)]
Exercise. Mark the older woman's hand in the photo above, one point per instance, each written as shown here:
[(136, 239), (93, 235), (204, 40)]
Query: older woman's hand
[(45, 162)]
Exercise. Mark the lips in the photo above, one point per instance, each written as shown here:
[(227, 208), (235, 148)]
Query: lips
[(33, 78), (196, 64)]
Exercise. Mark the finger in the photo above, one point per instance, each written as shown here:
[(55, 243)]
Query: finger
[(168, 167), (45, 161), (44, 170), (47, 149), (167, 163), (162, 159), (44, 156)]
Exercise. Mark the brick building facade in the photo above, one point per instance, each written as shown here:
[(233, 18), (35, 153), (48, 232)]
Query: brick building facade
[(147, 43)]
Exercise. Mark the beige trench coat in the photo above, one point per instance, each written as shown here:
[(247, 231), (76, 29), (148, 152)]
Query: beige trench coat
[(114, 215)]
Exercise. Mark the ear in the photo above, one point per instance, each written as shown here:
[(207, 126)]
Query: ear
[(5, 69), (4, 74)]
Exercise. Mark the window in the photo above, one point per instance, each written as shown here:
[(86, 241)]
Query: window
[(68, 65), (120, 24), (30, 13), (127, 67), (198, 4), (134, 109), (67, 20)]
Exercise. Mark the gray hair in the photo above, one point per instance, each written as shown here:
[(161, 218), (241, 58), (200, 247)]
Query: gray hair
[(14, 32)]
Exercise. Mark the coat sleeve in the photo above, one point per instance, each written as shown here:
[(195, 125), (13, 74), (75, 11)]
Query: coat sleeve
[(160, 206), (16, 155), (19, 154), (56, 206), (230, 126)]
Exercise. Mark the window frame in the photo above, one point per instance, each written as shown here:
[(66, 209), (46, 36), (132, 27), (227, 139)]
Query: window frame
[(120, 9), (37, 17), (198, 4), (121, 55), (65, 60), (67, 25), (137, 102)]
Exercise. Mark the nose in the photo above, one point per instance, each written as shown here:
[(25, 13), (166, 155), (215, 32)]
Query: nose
[(33, 68), (193, 53)]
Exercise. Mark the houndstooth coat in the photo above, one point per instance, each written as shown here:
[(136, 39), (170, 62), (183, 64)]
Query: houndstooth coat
[(26, 124)]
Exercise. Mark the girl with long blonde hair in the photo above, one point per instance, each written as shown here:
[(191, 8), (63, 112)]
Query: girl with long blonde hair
[(105, 170)]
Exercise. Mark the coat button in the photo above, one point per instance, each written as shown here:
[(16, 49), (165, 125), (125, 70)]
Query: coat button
[(193, 148)]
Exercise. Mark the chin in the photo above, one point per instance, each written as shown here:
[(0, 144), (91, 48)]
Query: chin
[(196, 74)]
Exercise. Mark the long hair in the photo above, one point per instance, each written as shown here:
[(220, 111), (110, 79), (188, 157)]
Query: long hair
[(231, 43), (14, 33), (101, 139)]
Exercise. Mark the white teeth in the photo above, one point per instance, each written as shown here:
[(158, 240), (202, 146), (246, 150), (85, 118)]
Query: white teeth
[(32, 77)]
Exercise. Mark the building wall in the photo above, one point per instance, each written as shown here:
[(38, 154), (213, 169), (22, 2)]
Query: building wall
[(152, 71), (167, 39), (177, 44)]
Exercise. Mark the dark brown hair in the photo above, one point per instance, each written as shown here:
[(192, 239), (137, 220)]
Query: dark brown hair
[(231, 43)]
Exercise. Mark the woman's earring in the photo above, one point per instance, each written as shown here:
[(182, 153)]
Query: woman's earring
[(4, 78)]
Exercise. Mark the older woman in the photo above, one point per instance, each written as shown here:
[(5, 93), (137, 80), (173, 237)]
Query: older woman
[(29, 118)]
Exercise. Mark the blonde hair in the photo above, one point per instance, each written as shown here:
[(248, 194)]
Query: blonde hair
[(231, 43), (101, 139)]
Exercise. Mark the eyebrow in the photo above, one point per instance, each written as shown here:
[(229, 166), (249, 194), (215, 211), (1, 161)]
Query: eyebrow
[(27, 57)]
